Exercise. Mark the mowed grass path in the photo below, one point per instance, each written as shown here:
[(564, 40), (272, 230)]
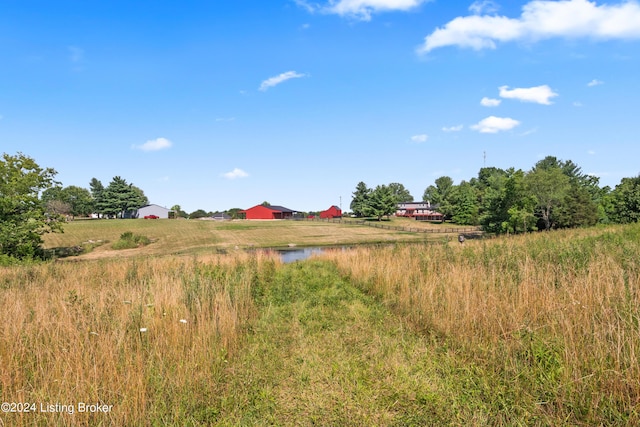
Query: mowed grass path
[(324, 353), (193, 236)]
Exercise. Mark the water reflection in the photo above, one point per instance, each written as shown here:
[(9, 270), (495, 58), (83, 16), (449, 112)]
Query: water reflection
[(292, 255)]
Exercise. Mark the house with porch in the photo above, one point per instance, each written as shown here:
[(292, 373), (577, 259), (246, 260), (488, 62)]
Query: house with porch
[(420, 211)]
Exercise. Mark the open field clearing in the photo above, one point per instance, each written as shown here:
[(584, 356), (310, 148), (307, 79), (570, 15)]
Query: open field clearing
[(193, 236), (535, 330)]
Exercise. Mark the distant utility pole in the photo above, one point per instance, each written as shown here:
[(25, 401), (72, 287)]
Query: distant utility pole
[(340, 202)]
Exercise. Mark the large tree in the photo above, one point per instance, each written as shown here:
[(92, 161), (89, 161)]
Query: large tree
[(120, 197), (78, 200), (97, 192), (464, 204), (178, 212), (549, 186), (519, 203), (507, 204), (400, 193), (360, 200), (22, 214), (381, 202), (440, 195), (625, 201), (578, 209)]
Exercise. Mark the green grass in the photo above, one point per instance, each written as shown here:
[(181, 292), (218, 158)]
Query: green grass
[(324, 353)]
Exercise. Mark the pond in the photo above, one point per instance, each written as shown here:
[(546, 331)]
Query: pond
[(288, 255), (300, 254)]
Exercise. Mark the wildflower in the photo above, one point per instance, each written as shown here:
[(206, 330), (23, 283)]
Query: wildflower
[(143, 329), (183, 320), (126, 302), (93, 333)]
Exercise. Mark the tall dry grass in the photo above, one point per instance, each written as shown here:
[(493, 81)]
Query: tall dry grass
[(147, 336), (550, 322)]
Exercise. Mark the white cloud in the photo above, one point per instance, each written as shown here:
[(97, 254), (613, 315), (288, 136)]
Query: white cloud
[(309, 7), (595, 82), (420, 138), (362, 9), (577, 104), (541, 19), (489, 102), (529, 132), (493, 124), (606, 174), (359, 9), (276, 80), (154, 145), (537, 94), (236, 173), (457, 128), (484, 6)]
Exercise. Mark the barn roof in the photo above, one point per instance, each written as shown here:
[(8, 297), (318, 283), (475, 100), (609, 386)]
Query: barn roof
[(279, 208), (275, 208)]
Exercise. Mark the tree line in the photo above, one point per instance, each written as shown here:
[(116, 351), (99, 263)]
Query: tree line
[(553, 194), (113, 201)]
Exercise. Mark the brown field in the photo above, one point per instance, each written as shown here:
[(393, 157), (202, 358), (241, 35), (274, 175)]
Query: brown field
[(198, 236)]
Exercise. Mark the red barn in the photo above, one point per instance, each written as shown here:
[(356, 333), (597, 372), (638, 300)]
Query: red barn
[(332, 212), (268, 212)]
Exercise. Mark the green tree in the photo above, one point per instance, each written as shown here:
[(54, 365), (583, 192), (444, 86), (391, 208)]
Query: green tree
[(578, 209), (400, 193), (582, 205), (360, 201), (507, 204), (549, 186), (234, 213), (519, 203), (200, 213), (22, 214), (440, 195), (464, 204), (625, 201), (493, 208), (120, 197), (77, 199), (97, 192), (381, 202), (178, 212)]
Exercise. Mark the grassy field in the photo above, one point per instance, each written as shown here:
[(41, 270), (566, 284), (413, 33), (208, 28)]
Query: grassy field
[(196, 236), (542, 329), (536, 330)]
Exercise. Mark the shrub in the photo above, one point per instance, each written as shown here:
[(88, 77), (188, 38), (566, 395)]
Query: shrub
[(128, 240)]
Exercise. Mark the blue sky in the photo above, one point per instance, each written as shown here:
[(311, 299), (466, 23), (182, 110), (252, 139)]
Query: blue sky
[(228, 103)]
